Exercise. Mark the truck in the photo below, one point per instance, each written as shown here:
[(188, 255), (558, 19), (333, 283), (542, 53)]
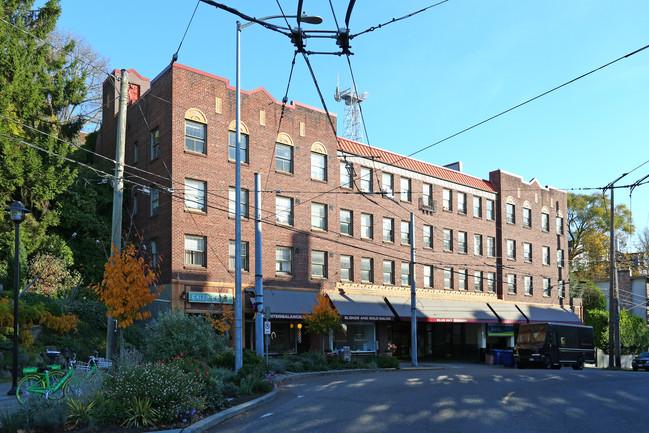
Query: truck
[(552, 345)]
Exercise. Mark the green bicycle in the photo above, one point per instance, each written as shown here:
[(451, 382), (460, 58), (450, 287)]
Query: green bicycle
[(81, 379)]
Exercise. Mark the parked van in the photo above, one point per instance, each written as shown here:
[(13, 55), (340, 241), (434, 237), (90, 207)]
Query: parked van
[(551, 345)]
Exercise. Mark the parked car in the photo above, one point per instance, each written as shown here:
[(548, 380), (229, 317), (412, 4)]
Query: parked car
[(641, 361)]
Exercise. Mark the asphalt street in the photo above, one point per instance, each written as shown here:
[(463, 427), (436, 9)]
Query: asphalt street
[(457, 398)]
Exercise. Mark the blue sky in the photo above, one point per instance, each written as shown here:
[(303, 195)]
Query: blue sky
[(433, 75)]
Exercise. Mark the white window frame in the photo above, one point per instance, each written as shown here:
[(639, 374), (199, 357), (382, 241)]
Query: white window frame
[(284, 163), (195, 251), (244, 144), (319, 166), (447, 200), (477, 207), (283, 260), (366, 179), (245, 256), (367, 269), (367, 226), (346, 267), (461, 203), (319, 216), (477, 245), (388, 276), (428, 237), (245, 204), (319, 264), (195, 197), (406, 189), (387, 184), (388, 229), (195, 142), (405, 233), (346, 222), (284, 210), (345, 175)]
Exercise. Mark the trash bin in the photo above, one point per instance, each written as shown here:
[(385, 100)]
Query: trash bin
[(507, 358), (497, 356)]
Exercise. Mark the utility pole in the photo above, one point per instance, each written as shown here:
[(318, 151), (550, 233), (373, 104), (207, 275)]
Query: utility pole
[(413, 294), (118, 195), (613, 303), (259, 283)]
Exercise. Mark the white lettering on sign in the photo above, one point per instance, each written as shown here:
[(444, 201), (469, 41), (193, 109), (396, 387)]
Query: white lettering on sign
[(267, 327)]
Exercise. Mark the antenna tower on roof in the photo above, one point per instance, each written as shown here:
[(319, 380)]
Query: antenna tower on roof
[(352, 122)]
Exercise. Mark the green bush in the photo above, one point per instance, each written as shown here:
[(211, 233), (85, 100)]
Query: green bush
[(230, 390), (295, 366), (252, 358), (385, 361), (338, 363), (43, 415), (170, 389), (215, 395), (11, 421), (277, 365), (135, 336), (253, 370), (225, 359), (225, 375), (48, 303), (177, 333)]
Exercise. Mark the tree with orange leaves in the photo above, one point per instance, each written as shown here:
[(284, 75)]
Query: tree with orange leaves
[(323, 318), (129, 285)]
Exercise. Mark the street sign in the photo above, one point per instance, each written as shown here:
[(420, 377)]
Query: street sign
[(267, 327)]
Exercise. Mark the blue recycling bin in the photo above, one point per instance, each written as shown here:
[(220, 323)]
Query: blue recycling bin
[(497, 356), (507, 358)]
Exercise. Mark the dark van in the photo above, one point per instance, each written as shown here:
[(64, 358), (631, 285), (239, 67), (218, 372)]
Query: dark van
[(551, 345)]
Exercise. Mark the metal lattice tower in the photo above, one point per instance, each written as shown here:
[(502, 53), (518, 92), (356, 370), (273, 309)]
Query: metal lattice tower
[(352, 122)]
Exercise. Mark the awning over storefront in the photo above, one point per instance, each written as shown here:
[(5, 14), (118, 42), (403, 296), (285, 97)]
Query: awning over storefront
[(288, 304), (508, 313), (443, 311), (536, 313), (362, 308)]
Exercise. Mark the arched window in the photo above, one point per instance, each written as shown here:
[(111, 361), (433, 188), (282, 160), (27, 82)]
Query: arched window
[(318, 162), (284, 153), (195, 131), (244, 142)]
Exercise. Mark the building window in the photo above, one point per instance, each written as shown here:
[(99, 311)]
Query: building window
[(428, 276), (477, 245), (511, 249), (511, 284), (367, 270), (491, 210), (545, 222), (283, 261), (155, 201), (388, 229), (195, 136), (427, 195), (560, 258), (387, 184), (318, 264), (461, 279), (232, 147), (529, 289), (245, 263), (461, 242), (284, 210), (561, 289), (318, 166), (448, 278), (367, 226), (405, 274), (527, 217), (491, 246), (491, 282), (406, 189), (546, 255), (527, 252), (461, 203), (195, 250), (546, 287), (477, 281), (559, 225), (155, 143), (405, 233), (511, 213), (428, 236), (283, 158), (345, 174), (346, 268), (233, 199), (388, 272), (477, 207), (154, 253), (195, 195), (346, 222), (319, 216), (366, 179), (448, 240), (447, 199)]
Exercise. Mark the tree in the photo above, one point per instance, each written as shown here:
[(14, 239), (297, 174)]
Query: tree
[(54, 277), (323, 318), (129, 285), (589, 231)]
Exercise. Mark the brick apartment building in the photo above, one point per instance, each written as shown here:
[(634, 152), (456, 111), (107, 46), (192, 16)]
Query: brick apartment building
[(336, 218)]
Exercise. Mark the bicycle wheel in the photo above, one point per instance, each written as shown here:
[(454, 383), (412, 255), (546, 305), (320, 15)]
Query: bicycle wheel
[(55, 378), (81, 385), (30, 386)]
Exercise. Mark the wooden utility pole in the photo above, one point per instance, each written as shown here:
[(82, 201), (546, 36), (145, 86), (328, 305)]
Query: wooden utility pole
[(118, 196)]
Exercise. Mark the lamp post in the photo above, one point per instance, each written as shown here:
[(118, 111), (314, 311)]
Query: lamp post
[(238, 340), (17, 213)]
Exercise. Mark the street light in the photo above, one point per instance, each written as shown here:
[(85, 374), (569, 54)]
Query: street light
[(17, 213), (238, 340)]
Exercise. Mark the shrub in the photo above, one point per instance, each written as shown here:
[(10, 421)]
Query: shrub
[(251, 370), (140, 413), (252, 358), (197, 367), (277, 365), (129, 357), (230, 390), (384, 361), (42, 414), (170, 389), (11, 421), (214, 395), (172, 334), (225, 359), (79, 411), (225, 375)]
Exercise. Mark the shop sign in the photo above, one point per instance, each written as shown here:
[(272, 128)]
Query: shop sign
[(286, 316), (500, 330), (367, 318), (210, 298)]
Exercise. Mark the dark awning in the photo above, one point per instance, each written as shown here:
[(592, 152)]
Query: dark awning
[(362, 307), (444, 311), (288, 304), (537, 313), (507, 313)]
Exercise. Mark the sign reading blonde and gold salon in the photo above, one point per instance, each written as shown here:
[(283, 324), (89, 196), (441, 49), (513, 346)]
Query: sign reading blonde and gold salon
[(210, 298)]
